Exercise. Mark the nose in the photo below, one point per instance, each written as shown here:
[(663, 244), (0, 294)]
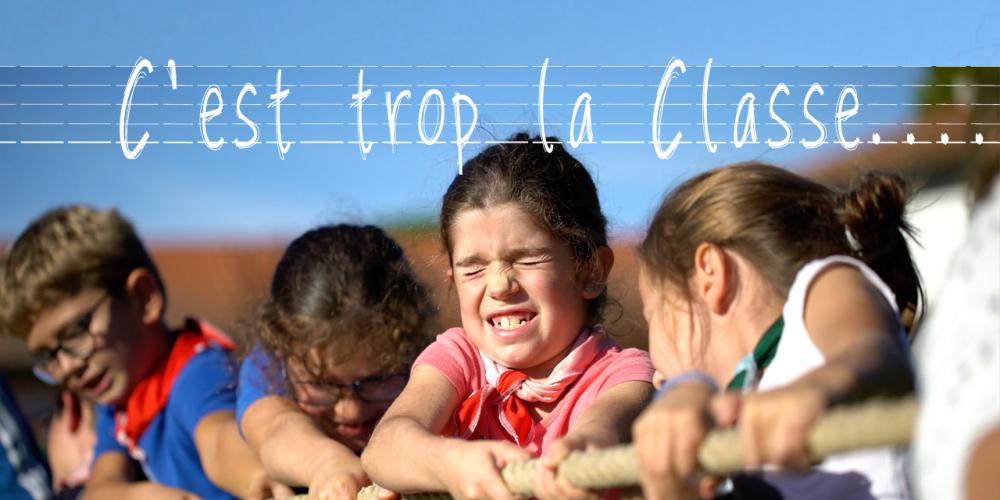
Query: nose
[(349, 409), (501, 282)]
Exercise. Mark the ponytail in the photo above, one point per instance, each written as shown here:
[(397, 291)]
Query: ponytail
[(872, 213)]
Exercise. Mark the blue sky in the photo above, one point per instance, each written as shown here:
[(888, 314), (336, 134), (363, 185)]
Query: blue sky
[(611, 50)]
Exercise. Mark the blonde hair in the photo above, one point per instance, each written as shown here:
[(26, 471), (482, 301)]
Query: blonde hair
[(779, 221), (60, 254)]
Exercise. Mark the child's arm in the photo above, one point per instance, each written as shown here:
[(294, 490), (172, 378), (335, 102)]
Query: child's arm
[(228, 461), (296, 452), (609, 420), (606, 423), (406, 454), (856, 329), (110, 478)]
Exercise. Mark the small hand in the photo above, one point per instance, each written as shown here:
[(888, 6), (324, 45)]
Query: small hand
[(546, 485), (471, 469), (667, 435), (774, 425), (337, 479), (386, 494), (262, 487)]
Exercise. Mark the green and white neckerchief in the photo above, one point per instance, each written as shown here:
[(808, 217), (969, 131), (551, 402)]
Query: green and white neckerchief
[(751, 368)]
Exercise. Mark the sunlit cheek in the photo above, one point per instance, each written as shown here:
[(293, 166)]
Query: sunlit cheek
[(689, 344), (117, 365), (668, 358), (660, 359), (311, 400), (658, 342), (671, 343), (468, 297), (312, 411)]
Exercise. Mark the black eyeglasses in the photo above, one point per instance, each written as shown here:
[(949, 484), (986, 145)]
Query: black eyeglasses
[(76, 341), (375, 389)]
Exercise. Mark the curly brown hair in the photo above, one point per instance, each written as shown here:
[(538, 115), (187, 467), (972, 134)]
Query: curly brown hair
[(339, 291)]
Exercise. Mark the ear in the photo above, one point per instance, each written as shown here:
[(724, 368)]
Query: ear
[(142, 286), (712, 277), (596, 272)]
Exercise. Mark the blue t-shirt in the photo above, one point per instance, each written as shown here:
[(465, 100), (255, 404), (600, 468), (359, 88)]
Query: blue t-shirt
[(257, 379), (168, 453)]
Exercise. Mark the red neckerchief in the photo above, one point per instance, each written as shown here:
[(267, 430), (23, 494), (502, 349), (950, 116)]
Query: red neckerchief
[(504, 402), (150, 396), (509, 410)]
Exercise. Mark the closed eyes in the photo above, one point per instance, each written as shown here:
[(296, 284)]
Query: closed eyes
[(473, 272), (534, 261)]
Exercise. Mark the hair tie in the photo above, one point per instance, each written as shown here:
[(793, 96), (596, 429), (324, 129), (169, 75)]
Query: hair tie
[(852, 241)]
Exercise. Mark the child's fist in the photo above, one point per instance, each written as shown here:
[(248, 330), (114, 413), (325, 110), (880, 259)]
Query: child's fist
[(545, 485), (472, 468), (337, 479), (667, 436), (774, 425)]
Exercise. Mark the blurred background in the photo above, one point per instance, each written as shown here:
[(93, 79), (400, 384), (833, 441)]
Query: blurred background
[(217, 221)]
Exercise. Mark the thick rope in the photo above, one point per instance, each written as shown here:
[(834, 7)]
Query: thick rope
[(873, 424)]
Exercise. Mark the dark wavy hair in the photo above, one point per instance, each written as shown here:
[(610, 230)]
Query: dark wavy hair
[(554, 188), (343, 290)]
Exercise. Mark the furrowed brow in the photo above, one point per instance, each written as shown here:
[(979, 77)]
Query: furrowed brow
[(522, 252), (510, 256)]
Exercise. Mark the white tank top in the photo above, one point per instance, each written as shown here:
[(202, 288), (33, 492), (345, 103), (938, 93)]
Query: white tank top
[(878, 473)]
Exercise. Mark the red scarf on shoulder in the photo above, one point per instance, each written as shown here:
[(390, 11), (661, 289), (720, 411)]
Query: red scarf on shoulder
[(150, 396)]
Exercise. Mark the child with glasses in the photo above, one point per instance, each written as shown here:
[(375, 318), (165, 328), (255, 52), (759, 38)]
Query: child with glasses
[(76, 341), (79, 287), (333, 345)]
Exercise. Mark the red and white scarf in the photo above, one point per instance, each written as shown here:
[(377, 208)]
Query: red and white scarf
[(507, 391)]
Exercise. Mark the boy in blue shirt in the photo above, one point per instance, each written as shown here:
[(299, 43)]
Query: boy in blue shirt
[(79, 287)]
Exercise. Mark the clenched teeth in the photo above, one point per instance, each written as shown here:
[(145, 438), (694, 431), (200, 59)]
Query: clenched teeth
[(510, 322)]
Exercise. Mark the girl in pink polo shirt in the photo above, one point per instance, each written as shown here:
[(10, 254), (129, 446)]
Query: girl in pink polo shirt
[(531, 372)]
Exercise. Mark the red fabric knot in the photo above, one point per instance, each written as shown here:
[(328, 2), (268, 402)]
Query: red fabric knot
[(499, 402), (499, 409)]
